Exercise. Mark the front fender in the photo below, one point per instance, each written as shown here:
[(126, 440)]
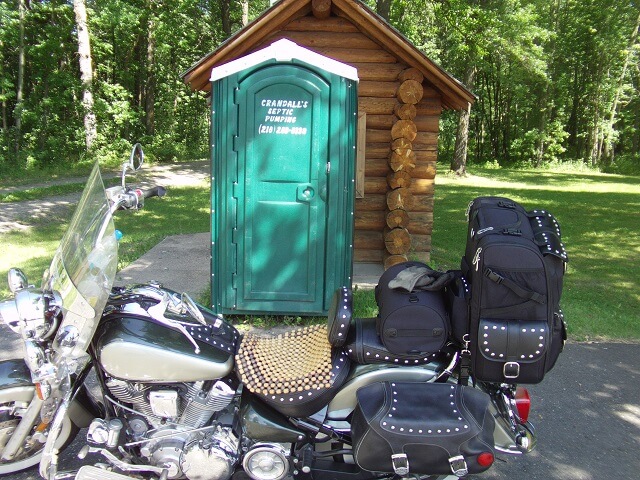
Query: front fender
[(15, 382), (16, 386)]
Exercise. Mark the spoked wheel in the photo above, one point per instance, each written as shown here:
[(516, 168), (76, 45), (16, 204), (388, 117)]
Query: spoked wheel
[(31, 451)]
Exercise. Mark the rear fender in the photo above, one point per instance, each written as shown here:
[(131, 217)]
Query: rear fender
[(345, 400), (511, 435)]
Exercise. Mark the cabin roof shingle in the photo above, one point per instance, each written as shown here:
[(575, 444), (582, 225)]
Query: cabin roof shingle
[(453, 93)]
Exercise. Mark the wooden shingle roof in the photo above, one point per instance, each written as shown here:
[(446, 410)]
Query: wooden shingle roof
[(453, 93)]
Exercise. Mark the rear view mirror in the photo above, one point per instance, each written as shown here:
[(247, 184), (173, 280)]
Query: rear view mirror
[(136, 159)]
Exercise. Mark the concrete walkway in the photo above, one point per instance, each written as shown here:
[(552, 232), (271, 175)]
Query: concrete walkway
[(182, 263)]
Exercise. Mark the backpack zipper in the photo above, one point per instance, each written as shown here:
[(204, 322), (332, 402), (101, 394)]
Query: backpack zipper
[(488, 229), (466, 214), (476, 258)]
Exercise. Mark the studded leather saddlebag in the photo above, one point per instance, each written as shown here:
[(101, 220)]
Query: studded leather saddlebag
[(422, 428), (514, 263)]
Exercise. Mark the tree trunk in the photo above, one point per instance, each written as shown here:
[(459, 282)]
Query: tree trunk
[(404, 129), (399, 179), (383, 8), (225, 13), (410, 92), (245, 12), (607, 147), (391, 260), (572, 127), (86, 72), (5, 125), (459, 161), (405, 111), (150, 90), (542, 127), (635, 141), (17, 112)]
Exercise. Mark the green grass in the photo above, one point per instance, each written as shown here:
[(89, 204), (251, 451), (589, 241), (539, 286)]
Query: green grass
[(599, 215), (182, 211), (364, 305), (600, 220), (36, 193), (40, 192)]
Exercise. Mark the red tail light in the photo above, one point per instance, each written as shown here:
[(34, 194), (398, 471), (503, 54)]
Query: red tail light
[(523, 403), (485, 459)]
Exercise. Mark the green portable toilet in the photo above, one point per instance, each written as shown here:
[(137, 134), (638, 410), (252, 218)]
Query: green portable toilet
[(283, 154)]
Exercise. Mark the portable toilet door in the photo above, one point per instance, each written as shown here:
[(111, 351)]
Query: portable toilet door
[(284, 126)]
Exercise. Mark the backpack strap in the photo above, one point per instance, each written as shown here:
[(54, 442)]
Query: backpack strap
[(515, 288)]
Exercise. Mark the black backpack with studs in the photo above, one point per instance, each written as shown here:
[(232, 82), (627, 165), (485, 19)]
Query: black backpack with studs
[(514, 264)]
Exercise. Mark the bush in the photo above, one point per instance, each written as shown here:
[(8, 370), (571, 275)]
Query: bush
[(624, 165)]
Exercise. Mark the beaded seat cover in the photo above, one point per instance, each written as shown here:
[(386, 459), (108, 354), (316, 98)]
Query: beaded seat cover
[(296, 372)]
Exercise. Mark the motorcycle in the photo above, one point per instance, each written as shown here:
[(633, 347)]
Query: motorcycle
[(178, 392)]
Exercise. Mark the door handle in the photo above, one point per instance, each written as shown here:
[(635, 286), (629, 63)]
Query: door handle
[(305, 192)]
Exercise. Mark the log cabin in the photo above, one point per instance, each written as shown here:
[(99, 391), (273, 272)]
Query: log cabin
[(401, 95)]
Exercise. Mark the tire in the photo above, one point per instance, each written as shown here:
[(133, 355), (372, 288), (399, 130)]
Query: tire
[(32, 458)]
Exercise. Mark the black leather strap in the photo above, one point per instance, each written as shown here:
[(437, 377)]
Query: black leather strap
[(515, 288), (465, 367)]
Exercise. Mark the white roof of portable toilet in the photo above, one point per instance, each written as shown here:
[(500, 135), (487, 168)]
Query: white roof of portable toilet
[(285, 51)]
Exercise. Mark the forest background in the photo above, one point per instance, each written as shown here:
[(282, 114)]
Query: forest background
[(557, 81)]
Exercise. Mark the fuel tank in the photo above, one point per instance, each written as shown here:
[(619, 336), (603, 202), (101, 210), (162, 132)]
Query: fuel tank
[(135, 348)]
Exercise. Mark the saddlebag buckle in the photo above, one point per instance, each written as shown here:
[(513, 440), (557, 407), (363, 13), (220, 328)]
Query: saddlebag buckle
[(458, 466), (400, 464), (511, 370)]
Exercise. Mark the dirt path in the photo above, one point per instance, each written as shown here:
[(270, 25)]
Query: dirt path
[(23, 215)]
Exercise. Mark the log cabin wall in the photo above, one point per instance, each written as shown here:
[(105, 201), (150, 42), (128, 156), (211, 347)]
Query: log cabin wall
[(394, 217)]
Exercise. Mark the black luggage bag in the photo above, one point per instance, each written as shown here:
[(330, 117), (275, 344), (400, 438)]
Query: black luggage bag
[(365, 347), (414, 321), (422, 428), (514, 262)]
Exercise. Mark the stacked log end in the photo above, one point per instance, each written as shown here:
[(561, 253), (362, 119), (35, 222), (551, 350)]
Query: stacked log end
[(321, 9), (402, 162)]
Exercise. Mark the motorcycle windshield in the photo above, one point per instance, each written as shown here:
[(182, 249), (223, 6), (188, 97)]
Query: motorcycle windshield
[(84, 266)]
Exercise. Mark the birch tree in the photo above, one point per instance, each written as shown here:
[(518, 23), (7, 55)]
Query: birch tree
[(86, 72), (17, 113)]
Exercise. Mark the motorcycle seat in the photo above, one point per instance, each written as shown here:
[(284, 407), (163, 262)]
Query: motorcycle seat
[(297, 372)]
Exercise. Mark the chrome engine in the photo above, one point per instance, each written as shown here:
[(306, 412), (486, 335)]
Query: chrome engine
[(184, 428)]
